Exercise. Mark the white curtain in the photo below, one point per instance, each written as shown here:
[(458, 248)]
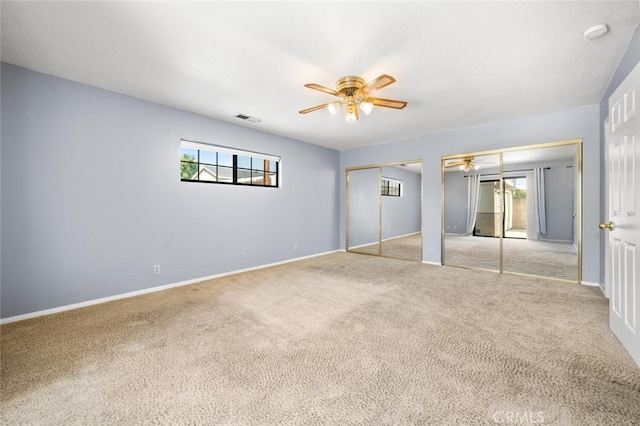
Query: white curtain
[(531, 211), (473, 192), (539, 201)]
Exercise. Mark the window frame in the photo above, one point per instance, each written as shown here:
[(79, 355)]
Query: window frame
[(265, 166), (385, 190)]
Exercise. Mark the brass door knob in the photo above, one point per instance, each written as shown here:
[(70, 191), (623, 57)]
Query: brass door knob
[(608, 226)]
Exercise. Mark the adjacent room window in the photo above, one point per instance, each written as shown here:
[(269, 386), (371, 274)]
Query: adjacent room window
[(201, 162), (391, 187)]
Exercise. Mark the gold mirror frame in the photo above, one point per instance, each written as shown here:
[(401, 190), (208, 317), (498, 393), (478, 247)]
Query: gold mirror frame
[(379, 166), (500, 152)]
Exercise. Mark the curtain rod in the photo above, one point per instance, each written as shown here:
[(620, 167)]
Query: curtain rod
[(512, 171)]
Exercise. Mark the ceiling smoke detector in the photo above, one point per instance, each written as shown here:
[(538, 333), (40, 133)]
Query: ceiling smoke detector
[(595, 31)]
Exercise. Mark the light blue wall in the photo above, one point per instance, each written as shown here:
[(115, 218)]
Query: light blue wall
[(559, 201), (91, 196), (575, 123)]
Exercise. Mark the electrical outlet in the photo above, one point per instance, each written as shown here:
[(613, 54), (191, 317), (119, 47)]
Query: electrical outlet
[(431, 249), (295, 246), (241, 255), (156, 269)]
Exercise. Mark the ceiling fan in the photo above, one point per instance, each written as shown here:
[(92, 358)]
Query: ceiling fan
[(466, 164), (355, 93)]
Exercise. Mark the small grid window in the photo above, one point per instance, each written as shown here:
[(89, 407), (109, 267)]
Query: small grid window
[(391, 187), (216, 164)]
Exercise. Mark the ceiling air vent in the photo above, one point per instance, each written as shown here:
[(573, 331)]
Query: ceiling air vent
[(248, 118)]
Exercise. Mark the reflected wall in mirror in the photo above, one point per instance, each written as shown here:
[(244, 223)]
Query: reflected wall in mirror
[(363, 211), (401, 212), (472, 212), (388, 196), (515, 210)]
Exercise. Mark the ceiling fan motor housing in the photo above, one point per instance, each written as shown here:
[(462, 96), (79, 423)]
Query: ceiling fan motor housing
[(349, 85)]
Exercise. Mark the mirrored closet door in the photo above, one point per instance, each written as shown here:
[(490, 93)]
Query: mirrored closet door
[(515, 210), (472, 211), (363, 206), (384, 210), (541, 211)]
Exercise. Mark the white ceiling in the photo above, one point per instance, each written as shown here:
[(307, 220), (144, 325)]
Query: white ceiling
[(457, 64)]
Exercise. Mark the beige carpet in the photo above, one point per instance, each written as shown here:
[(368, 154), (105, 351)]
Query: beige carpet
[(543, 258), (334, 340)]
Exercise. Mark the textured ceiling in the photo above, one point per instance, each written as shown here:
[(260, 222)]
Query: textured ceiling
[(457, 64)]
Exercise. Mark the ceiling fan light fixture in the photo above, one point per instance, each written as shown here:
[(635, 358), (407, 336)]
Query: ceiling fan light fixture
[(355, 94), (464, 164), (366, 107), (352, 113), (333, 107)]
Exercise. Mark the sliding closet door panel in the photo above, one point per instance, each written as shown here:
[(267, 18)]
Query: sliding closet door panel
[(363, 205), (401, 189), (472, 212), (540, 221)]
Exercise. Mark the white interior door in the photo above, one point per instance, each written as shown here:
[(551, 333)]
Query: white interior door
[(623, 228)]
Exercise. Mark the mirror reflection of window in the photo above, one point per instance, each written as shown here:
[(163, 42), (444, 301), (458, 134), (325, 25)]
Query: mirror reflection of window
[(390, 187), (515, 207)]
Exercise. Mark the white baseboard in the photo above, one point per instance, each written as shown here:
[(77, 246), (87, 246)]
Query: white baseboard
[(149, 290), (555, 241), (600, 286), (426, 262)]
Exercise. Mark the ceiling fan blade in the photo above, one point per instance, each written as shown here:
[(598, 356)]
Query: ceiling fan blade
[(387, 103), (458, 164), (315, 108), (323, 89), (378, 83)]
